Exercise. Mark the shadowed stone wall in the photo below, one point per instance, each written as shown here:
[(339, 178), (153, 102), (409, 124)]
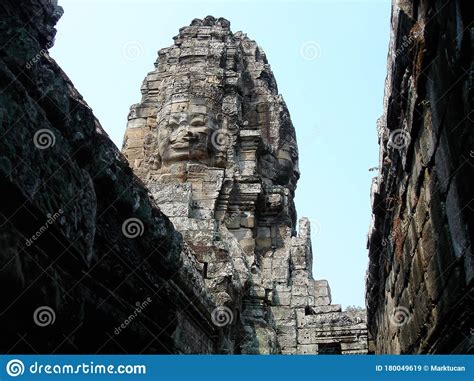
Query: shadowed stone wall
[(88, 263), (419, 284)]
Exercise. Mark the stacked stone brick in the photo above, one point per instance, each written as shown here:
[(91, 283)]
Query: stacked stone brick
[(419, 283), (213, 141)]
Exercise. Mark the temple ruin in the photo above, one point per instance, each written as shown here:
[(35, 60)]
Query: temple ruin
[(213, 141), (187, 240)]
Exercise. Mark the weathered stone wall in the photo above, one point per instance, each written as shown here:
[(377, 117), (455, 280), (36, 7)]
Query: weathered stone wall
[(88, 263), (419, 284)]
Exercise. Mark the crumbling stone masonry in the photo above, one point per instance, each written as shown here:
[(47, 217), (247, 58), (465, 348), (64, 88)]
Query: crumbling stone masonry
[(420, 277), (73, 269), (213, 142)]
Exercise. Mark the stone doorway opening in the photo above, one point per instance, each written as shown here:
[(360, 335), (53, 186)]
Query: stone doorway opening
[(330, 349)]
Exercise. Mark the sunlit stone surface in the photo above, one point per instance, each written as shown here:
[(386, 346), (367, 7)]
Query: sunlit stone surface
[(214, 143)]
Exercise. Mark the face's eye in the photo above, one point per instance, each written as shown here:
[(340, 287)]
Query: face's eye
[(294, 153), (197, 121), (173, 123)]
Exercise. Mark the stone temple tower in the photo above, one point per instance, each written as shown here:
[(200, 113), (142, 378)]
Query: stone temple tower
[(213, 141)]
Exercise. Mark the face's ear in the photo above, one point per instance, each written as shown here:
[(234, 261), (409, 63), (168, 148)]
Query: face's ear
[(211, 123), (220, 120)]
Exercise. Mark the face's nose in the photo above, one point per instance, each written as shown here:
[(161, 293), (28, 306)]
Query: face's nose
[(184, 130), (183, 120), (182, 134)]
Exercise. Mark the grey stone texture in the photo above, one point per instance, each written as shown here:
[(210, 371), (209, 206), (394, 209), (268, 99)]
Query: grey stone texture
[(419, 282), (213, 141), (66, 195)]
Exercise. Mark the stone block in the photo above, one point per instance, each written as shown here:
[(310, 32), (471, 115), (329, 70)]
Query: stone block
[(299, 301), (308, 349), (322, 301), (136, 123), (281, 298), (299, 290), (306, 336), (283, 313), (175, 209)]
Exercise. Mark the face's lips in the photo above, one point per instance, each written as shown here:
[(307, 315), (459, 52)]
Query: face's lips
[(177, 138), (180, 144), (184, 139)]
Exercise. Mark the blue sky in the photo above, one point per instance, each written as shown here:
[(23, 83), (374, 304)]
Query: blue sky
[(334, 97)]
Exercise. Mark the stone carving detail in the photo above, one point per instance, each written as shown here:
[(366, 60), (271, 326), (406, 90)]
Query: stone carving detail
[(213, 141)]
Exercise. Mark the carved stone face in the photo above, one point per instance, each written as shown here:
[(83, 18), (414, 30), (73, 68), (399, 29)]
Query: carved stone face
[(288, 169), (185, 136)]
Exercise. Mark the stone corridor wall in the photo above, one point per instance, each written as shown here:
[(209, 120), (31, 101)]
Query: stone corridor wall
[(88, 263), (419, 282)]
